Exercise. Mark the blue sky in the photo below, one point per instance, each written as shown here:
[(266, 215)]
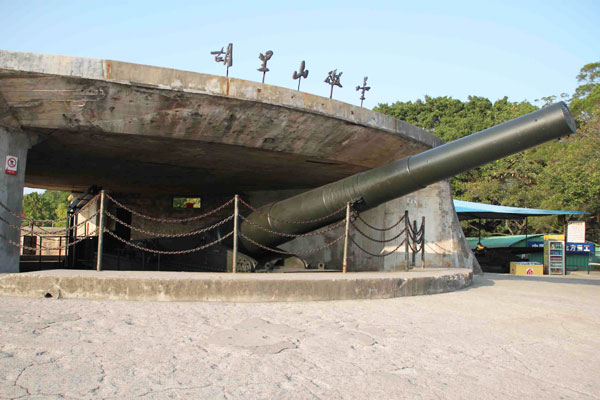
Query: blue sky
[(520, 49)]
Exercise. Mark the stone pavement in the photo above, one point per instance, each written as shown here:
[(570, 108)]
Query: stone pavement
[(504, 337)]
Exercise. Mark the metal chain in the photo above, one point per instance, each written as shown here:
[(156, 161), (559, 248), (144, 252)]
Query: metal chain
[(313, 233), (418, 232), (30, 221), (15, 227), (85, 220), (14, 214), (168, 220), (32, 231), (45, 248), (374, 227), (315, 250), (167, 252), (173, 235), (378, 240), (377, 255), (83, 238), (416, 248), (310, 221)]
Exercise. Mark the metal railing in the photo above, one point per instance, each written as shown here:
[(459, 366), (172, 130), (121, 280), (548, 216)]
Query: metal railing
[(401, 233)]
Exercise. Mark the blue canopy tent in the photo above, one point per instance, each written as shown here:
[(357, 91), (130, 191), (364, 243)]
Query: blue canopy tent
[(469, 210)]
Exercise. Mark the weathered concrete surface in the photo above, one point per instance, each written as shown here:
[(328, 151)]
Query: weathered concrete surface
[(148, 133), (503, 338), (445, 245), (184, 286), (14, 143), (137, 128)]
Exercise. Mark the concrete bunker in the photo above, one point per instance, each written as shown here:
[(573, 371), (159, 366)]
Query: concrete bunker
[(146, 134)]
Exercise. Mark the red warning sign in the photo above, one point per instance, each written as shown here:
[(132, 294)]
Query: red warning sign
[(11, 165)]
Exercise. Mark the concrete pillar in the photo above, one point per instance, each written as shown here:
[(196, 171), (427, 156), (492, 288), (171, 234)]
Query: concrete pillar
[(16, 144)]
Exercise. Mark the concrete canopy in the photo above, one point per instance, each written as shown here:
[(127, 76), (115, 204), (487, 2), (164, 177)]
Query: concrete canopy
[(141, 129)]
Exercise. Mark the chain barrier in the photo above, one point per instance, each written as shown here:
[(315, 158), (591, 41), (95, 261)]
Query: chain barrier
[(414, 238), (417, 237), (417, 248), (11, 212), (33, 227), (357, 215), (310, 221), (373, 254), (174, 252), (377, 240), (13, 226), (21, 246), (168, 235), (168, 220), (292, 235), (30, 221), (84, 221), (63, 230), (312, 251), (414, 234)]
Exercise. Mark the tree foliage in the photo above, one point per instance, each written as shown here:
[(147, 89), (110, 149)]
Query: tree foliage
[(562, 174), (51, 205), (584, 103)]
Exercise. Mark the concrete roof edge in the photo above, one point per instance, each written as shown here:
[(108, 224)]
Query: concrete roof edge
[(194, 82)]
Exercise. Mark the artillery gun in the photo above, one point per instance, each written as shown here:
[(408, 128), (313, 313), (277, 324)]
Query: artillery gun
[(374, 187)]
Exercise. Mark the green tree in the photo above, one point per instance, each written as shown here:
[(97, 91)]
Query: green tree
[(51, 205), (585, 101), (35, 206), (562, 174), (451, 119)]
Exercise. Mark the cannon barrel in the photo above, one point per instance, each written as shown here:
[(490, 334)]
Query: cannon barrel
[(379, 185)]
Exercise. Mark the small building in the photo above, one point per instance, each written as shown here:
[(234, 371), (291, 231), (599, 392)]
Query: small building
[(496, 252)]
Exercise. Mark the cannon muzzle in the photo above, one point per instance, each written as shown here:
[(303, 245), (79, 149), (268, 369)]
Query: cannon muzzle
[(379, 185)]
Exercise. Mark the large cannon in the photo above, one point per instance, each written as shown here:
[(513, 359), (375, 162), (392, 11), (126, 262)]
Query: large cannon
[(371, 188)]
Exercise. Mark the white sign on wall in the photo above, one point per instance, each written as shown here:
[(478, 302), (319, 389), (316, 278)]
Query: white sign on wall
[(576, 232), (10, 167)]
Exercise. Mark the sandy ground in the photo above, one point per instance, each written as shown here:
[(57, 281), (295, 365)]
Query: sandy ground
[(504, 337)]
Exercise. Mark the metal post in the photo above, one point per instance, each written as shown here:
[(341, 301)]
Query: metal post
[(406, 237), (345, 259), (40, 258), (59, 247), (67, 233), (101, 231), (74, 247), (423, 243), (235, 233), (565, 246), (415, 242)]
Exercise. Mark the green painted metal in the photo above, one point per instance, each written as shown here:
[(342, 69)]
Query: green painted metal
[(371, 188), (504, 241)]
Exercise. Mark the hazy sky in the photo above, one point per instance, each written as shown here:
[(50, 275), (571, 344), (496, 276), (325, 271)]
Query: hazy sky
[(520, 49)]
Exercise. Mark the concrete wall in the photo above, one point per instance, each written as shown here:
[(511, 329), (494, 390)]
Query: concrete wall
[(445, 242), (12, 143)]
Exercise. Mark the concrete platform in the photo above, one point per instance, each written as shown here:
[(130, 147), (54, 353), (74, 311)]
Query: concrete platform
[(185, 286)]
